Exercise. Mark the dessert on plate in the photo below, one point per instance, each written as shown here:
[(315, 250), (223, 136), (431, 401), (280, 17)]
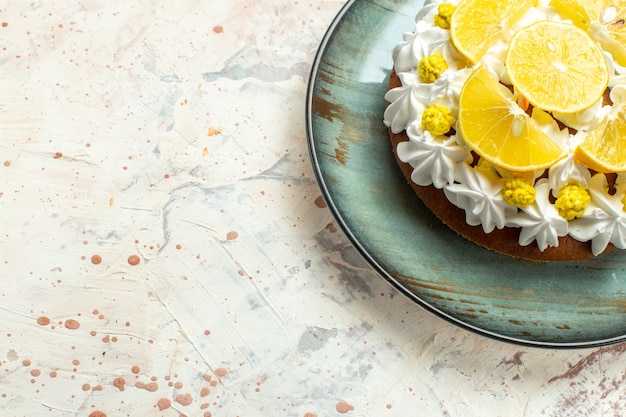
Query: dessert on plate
[(507, 117)]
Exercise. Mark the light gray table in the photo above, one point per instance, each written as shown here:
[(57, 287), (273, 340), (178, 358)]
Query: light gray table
[(165, 251)]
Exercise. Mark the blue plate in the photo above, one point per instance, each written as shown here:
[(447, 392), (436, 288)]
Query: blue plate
[(570, 304)]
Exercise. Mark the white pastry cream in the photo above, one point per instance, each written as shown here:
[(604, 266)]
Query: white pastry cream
[(445, 162)]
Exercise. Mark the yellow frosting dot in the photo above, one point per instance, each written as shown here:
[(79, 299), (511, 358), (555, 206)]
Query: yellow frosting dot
[(518, 192), (431, 67), (442, 19), (572, 200), (437, 120)]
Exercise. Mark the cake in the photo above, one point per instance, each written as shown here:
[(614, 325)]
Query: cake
[(507, 118)]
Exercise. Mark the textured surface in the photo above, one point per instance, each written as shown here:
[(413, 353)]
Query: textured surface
[(165, 250)]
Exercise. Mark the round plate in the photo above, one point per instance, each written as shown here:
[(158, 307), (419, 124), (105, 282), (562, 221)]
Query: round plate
[(573, 304)]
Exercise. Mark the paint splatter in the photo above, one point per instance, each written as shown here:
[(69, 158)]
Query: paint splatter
[(43, 321), (133, 260), (164, 404), (119, 383), (320, 202), (72, 324), (214, 131), (150, 386), (184, 399), (343, 407)]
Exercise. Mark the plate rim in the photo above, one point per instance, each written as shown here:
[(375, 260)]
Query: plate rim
[(390, 279)]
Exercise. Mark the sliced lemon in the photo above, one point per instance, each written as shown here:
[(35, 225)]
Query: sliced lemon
[(498, 130), (477, 24), (603, 19), (580, 12), (604, 148), (557, 67)]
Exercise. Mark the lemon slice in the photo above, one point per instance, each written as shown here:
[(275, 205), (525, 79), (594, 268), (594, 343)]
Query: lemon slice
[(477, 24), (603, 19), (557, 67), (604, 148), (498, 130)]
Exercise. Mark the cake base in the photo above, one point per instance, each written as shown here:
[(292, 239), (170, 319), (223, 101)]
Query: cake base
[(504, 241)]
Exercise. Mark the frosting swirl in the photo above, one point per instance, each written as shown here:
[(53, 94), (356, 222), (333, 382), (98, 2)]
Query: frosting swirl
[(478, 192), (605, 221), (434, 160)]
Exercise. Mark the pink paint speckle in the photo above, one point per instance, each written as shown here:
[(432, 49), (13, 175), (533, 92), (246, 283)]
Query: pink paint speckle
[(134, 260), (184, 399), (164, 404), (119, 383), (221, 372), (343, 407), (150, 386), (72, 324)]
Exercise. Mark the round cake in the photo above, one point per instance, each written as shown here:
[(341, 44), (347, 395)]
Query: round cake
[(507, 117)]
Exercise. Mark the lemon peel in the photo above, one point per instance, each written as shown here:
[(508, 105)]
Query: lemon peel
[(518, 192), (437, 120), (572, 200), (431, 67), (444, 14)]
